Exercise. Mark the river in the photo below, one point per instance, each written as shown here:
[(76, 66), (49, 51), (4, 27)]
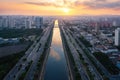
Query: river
[(56, 66)]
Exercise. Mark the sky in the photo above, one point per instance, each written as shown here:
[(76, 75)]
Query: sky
[(59, 7)]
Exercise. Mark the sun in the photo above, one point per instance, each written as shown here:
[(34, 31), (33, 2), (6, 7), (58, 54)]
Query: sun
[(66, 10)]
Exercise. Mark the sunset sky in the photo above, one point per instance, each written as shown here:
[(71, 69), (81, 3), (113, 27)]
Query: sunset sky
[(60, 7)]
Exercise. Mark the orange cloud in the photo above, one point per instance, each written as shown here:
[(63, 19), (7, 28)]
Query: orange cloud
[(55, 8)]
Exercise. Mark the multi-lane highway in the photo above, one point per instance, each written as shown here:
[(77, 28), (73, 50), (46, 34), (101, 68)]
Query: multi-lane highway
[(32, 54), (43, 40), (93, 70), (75, 54)]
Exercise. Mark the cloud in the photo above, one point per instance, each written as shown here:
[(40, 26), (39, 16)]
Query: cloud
[(87, 4), (102, 4), (57, 3), (43, 4)]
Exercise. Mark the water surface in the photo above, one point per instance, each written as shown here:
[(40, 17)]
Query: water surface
[(56, 67)]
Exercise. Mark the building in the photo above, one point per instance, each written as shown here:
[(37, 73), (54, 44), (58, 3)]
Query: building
[(38, 22), (11, 21), (97, 27), (114, 23), (27, 23), (19, 22), (117, 37)]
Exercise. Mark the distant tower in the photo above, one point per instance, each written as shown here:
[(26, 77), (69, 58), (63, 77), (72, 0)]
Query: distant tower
[(96, 27), (114, 23), (28, 23), (11, 22), (117, 37), (39, 22)]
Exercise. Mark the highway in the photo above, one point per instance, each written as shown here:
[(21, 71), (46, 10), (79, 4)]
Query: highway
[(30, 73), (42, 71), (75, 54), (71, 75), (13, 74), (30, 55), (93, 70)]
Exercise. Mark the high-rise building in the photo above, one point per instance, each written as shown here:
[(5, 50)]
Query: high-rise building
[(1, 22), (117, 37), (38, 22), (21, 22), (114, 23), (11, 22), (97, 28), (28, 22)]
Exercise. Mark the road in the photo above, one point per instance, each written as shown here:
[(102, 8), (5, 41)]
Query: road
[(75, 54), (42, 71), (30, 55), (30, 73), (92, 68), (71, 75)]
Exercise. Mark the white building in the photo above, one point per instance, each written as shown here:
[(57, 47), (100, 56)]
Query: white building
[(117, 37)]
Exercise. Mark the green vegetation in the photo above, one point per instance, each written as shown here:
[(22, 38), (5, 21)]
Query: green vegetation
[(90, 74), (90, 58), (39, 66), (8, 33), (83, 62), (86, 66), (6, 63), (22, 76), (77, 75), (93, 62), (25, 72), (106, 62), (24, 59), (85, 42), (82, 39)]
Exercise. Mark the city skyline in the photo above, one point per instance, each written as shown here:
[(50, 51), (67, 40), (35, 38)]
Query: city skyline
[(60, 7)]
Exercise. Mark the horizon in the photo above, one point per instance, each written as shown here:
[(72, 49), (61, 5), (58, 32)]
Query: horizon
[(57, 15)]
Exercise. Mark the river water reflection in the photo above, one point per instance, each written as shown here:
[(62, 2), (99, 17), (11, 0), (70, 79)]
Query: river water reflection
[(56, 67)]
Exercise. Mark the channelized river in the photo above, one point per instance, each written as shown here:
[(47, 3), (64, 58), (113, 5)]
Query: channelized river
[(56, 66)]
